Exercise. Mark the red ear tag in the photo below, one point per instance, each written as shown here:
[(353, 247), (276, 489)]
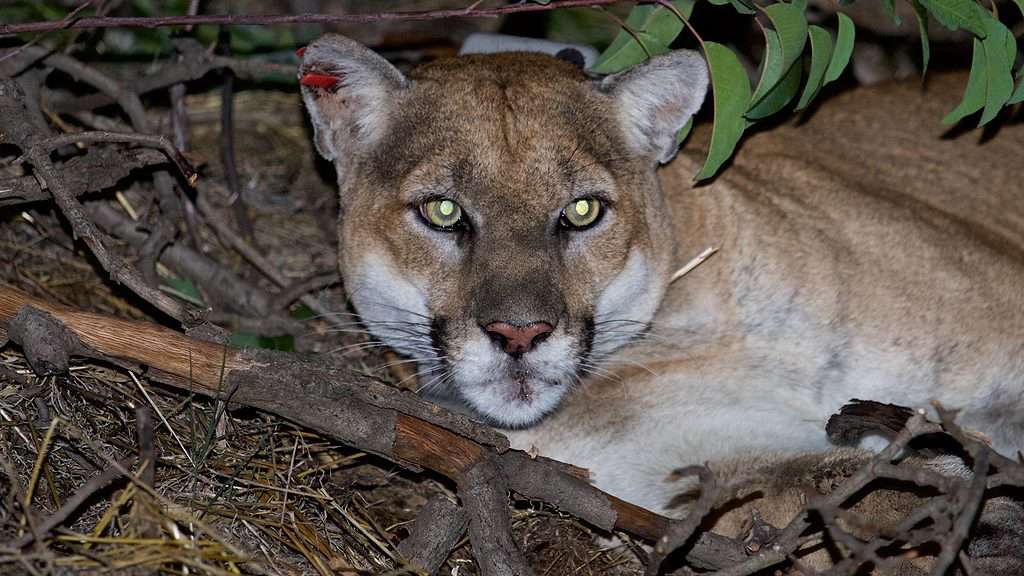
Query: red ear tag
[(319, 81), (300, 51)]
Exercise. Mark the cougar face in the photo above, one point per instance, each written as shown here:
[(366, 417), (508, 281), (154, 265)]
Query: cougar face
[(501, 220)]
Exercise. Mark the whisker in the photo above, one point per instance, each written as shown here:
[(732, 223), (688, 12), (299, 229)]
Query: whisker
[(419, 373), (410, 360)]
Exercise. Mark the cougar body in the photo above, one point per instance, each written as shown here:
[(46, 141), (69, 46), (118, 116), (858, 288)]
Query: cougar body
[(860, 254)]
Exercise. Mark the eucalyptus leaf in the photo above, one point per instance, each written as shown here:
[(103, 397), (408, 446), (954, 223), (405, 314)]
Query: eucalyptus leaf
[(890, 10), (582, 26), (731, 95), (771, 65), (956, 14), (184, 289), (741, 6), (684, 131), (284, 343), (922, 29), (1000, 52), (821, 55), (791, 25), (624, 51), (653, 30), (783, 47), (747, 6), (1018, 94), (643, 46), (843, 50), (779, 96), (974, 94), (665, 24)]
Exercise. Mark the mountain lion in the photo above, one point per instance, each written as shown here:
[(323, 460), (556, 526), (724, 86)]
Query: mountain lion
[(503, 222)]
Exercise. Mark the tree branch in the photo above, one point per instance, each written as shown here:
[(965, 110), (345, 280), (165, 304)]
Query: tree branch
[(345, 405), (275, 19)]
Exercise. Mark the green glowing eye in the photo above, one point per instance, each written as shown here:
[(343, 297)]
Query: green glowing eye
[(581, 213), (441, 213)]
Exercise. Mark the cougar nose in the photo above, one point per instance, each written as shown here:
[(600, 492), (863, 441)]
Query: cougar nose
[(517, 340)]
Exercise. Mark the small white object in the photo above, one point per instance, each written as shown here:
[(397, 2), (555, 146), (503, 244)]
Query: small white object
[(697, 261), (483, 43)]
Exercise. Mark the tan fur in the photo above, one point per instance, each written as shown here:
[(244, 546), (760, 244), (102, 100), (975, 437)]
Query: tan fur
[(861, 254)]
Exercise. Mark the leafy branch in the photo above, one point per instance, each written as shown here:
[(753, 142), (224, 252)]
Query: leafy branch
[(650, 30), (652, 26)]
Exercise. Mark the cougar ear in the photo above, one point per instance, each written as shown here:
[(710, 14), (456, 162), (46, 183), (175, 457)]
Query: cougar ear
[(655, 99), (349, 92)]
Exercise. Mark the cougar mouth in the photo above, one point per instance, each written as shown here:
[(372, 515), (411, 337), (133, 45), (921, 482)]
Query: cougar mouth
[(464, 368)]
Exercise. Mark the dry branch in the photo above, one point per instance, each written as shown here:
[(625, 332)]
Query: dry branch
[(353, 409), (248, 19), (96, 170), (437, 529)]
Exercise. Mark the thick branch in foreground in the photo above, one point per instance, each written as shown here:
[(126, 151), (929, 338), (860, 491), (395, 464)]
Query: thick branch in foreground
[(358, 411)]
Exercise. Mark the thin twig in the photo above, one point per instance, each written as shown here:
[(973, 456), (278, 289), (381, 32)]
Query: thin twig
[(95, 484), (299, 289), (275, 19), (82, 227), (680, 533), (148, 140), (236, 242)]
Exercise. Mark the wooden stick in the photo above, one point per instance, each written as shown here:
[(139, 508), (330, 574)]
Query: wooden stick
[(341, 404)]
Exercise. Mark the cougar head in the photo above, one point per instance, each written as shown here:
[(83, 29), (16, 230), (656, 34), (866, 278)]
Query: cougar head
[(501, 221)]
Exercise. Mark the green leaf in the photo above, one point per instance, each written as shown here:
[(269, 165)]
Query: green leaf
[(771, 65), (956, 14), (777, 98), (741, 6), (843, 51), (791, 25), (1018, 94), (1010, 46), (731, 94), (302, 312), (1000, 52), (684, 131), (184, 289), (581, 26), (747, 6), (821, 55), (642, 47), (654, 27), (284, 343), (974, 95), (624, 51), (665, 24), (890, 10), (922, 29)]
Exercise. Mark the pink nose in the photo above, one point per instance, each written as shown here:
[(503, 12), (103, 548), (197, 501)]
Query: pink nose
[(517, 340)]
